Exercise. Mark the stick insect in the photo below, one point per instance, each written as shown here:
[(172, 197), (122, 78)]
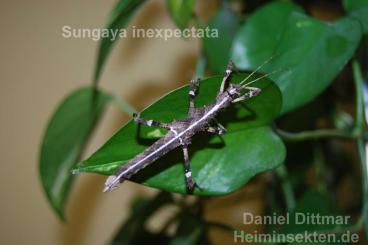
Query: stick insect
[(180, 132)]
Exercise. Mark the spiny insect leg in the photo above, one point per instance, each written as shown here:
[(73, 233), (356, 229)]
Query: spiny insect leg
[(190, 183), (219, 125), (251, 93), (150, 123), (219, 129), (215, 130), (229, 69), (193, 87)]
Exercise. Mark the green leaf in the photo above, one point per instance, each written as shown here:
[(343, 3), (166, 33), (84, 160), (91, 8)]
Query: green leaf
[(133, 230), (358, 9), (63, 142), (247, 148), (309, 52), (260, 35), (119, 18), (181, 11), (217, 50)]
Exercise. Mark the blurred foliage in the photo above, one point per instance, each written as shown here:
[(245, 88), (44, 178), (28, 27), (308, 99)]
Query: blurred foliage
[(226, 22), (64, 140), (181, 11), (133, 231), (358, 9), (119, 18)]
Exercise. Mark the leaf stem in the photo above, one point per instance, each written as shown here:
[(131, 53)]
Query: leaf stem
[(286, 186), (359, 128), (124, 106), (359, 102), (364, 169), (201, 66), (314, 135)]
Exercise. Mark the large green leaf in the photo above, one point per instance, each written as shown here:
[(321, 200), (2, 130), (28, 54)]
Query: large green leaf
[(358, 9), (260, 35), (119, 18), (219, 167), (181, 11), (217, 50), (64, 139), (309, 52)]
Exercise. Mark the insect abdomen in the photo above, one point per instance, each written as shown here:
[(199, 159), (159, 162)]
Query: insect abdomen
[(148, 156)]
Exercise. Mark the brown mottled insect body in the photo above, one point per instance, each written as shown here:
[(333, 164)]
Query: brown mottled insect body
[(181, 131)]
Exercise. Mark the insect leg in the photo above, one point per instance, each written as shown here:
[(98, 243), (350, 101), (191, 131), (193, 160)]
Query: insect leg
[(150, 123), (215, 130), (218, 129), (229, 69), (189, 182), (251, 93), (193, 87)]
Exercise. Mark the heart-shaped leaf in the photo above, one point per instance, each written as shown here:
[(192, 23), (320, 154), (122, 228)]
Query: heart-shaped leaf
[(64, 140), (310, 52), (181, 11), (119, 18), (218, 166)]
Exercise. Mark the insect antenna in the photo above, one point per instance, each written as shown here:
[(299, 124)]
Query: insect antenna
[(258, 68), (261, 77)]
